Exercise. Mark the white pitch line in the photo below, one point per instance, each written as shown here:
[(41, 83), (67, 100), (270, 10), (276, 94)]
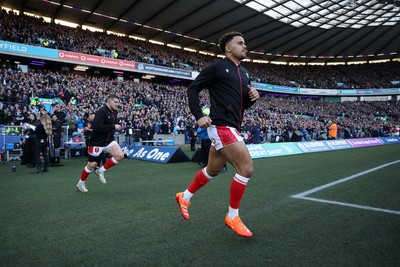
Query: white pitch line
[(351, 205), (319, 188)]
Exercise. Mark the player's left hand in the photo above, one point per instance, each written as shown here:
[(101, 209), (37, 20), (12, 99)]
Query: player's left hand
[(253, 93), (204, 122)]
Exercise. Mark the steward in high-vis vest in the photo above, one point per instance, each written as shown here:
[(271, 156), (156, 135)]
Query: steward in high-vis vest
[(332, 133), (35, 101)]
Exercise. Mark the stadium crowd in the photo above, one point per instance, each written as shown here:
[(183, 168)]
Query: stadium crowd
[(162, 108), (35, 31), (152, 108)]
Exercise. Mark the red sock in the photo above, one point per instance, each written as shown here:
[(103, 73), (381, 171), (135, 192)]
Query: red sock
[(238, 186), (199, 181), (85, 173), (111, 162)]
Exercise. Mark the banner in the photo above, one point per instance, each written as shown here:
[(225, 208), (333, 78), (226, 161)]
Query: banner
[(169, 154), (21, 49), (96, 60), (390, 140), (272, 150), (338, 144), (313, 146), (287, 148), (364, 142), (275, 88), (155, 153), (161, 70), (363, 92)]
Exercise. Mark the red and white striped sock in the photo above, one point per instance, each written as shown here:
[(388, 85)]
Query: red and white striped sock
[(238, 186), (85, 173), (109, 164), (200, 180)]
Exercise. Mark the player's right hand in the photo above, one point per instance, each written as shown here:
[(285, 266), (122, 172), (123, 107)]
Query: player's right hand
[(204, 122)]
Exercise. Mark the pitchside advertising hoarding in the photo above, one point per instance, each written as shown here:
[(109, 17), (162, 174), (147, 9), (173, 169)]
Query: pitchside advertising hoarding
[(313, 146), (163, 154), (327, 145), (390, 140), (285, 149), (337, 144), (272, 150), (158, 154), (363, 142)]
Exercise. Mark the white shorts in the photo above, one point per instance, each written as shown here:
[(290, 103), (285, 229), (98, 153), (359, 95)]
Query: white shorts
[(222, 136), (95, 151)]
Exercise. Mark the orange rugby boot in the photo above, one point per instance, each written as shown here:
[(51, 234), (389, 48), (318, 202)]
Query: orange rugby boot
[(183, 205), (238, 226)]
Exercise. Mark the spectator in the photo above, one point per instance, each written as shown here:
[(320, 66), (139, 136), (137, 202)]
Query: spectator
[(3, 115), (255, 133), (80, 123), (72, 124), (193, 137)]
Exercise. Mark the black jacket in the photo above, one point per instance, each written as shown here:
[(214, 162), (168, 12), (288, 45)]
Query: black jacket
[(229, 96), (103, 127), (40, 132)]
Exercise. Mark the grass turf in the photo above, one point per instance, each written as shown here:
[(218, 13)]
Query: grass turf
[(133, 220)]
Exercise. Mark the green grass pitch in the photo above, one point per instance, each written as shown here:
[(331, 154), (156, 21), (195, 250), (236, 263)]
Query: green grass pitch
[(134, 220)]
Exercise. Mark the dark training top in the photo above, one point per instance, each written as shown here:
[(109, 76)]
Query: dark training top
[(40, 132), (103, 127), (229, 96)]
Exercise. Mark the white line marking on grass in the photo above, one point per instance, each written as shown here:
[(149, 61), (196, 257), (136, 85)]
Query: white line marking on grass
[(351, 205), (319, 188)]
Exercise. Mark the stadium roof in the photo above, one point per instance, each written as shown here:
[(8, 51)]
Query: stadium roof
[(282, 30)]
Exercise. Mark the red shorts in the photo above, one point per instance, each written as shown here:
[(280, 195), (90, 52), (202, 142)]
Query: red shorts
[(222, 136)]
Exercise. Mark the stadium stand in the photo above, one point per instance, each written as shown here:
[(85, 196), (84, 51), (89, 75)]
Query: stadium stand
[(33, 31), (163, 106)]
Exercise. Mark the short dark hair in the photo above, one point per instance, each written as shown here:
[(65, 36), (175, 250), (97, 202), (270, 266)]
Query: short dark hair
[(226, 38), (111, 97)]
